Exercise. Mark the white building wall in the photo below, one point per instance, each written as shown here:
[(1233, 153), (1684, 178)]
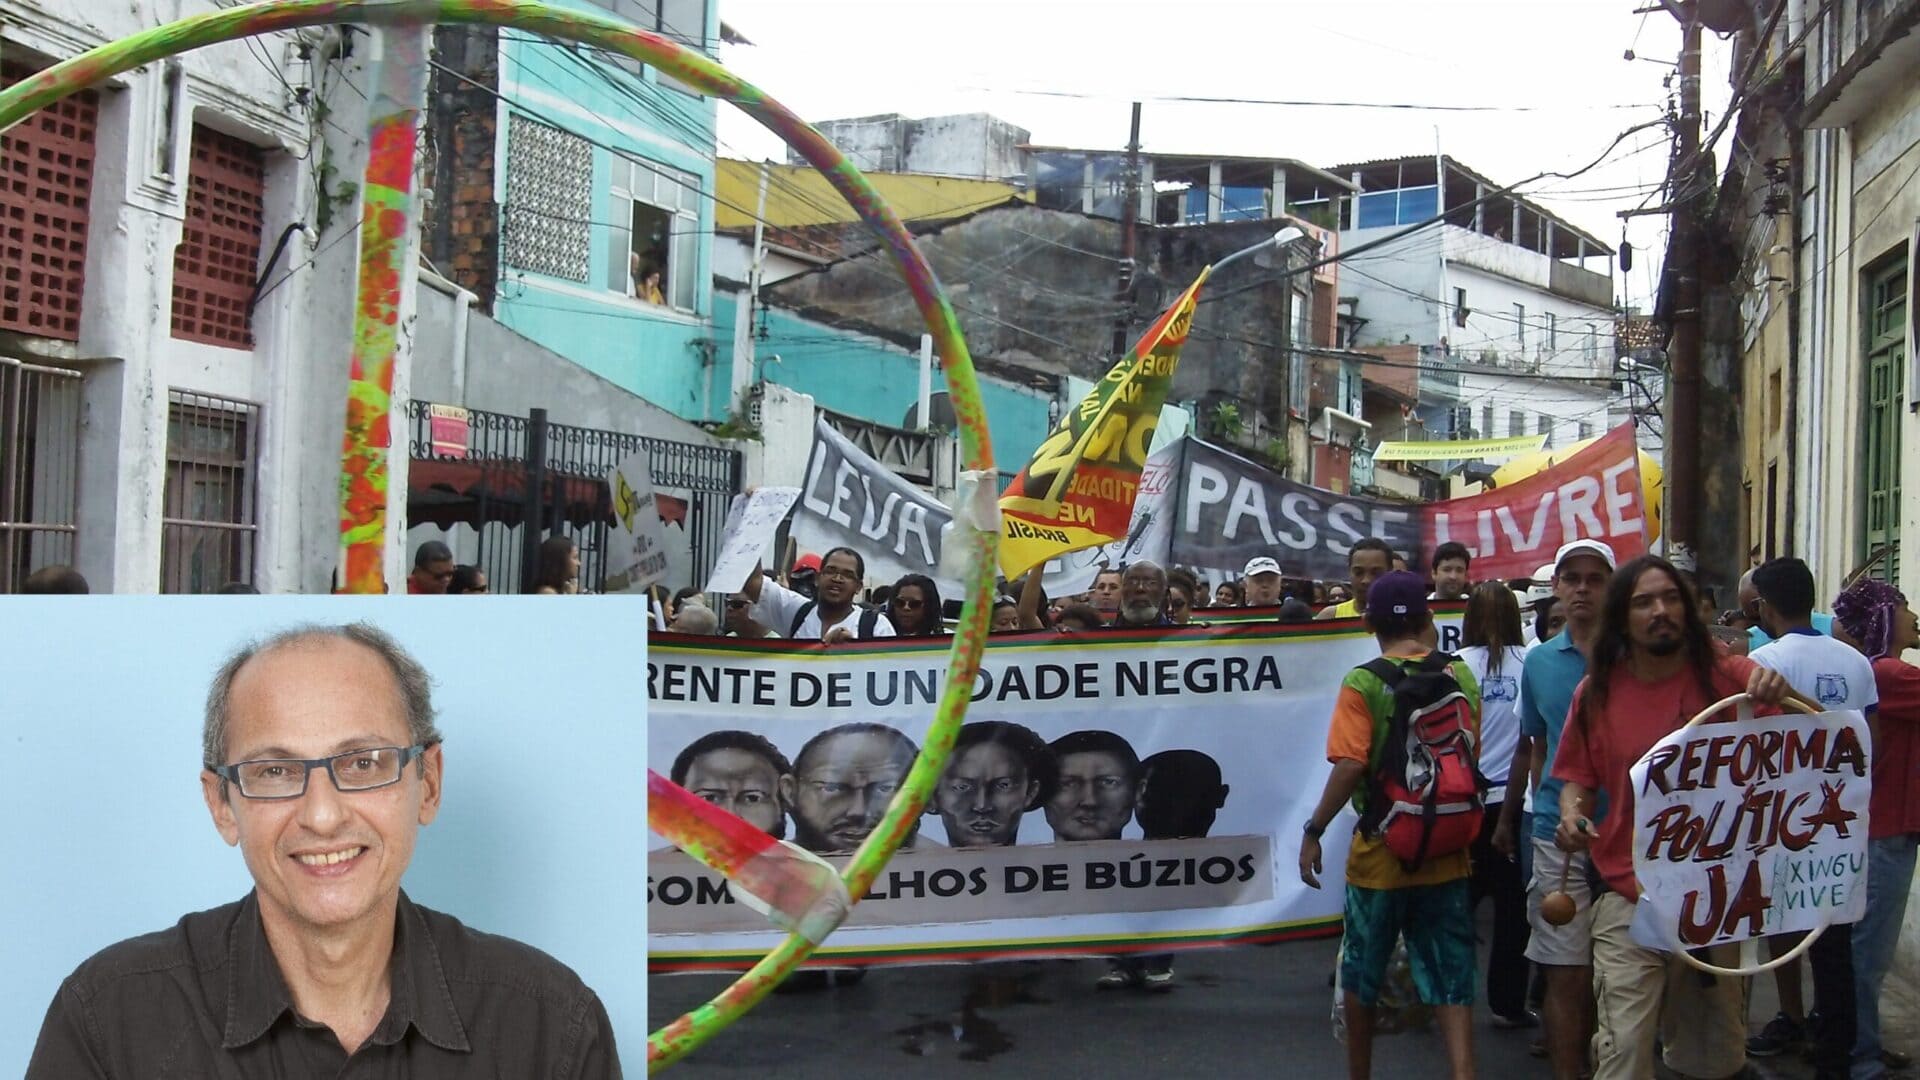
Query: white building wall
[(126, 348), (1567, 404), (1396, 287)]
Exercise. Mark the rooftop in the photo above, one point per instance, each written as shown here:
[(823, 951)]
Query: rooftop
[(1464, 186)]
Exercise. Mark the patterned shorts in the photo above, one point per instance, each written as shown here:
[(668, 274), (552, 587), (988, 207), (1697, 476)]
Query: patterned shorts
[(1437, 923)]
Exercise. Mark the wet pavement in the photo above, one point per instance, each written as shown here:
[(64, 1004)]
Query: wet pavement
[(1238, 1012)]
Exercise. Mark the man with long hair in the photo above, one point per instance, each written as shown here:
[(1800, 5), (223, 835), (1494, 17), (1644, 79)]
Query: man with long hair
[(1877, 620), (1653, 666)]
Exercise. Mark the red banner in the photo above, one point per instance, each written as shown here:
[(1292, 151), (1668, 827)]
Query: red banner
[(1513, 530)]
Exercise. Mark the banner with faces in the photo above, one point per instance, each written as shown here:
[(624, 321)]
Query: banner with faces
[(1127, 787)]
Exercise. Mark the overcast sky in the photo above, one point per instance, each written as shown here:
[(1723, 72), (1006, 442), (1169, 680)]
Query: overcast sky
[(1553, 68)]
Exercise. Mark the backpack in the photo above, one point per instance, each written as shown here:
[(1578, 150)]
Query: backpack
[(1426, 796), (868, 617)]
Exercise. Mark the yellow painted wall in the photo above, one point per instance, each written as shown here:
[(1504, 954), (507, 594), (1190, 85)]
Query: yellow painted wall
[(799, 195)]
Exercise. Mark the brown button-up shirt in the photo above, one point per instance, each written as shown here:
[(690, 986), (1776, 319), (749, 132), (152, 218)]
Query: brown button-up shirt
[(206, 1000)]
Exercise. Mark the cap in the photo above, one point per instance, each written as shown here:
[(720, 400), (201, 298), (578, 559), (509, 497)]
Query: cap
[(807, 564), (1260, 565), (1542, 587), (1395, 596), (1597, 548)]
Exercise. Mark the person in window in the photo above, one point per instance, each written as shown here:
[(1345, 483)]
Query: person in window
[(648, 278)]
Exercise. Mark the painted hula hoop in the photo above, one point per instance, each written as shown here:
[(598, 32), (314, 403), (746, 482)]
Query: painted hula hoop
[(1750, 965), (388, 201)]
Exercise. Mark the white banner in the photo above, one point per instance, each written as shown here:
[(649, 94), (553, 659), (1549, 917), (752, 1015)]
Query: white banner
[(1749, 829), (1111, 791), (750, 527), (637, 543), (851, 500)]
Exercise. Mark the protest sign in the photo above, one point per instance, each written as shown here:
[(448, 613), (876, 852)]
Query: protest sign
[(636, 545), (1133, 787), (750, 527), (1231, 510), (1749, 829), (851, 500), (1078, 490), (1149, 533), (1457, 449), (1512, 530)]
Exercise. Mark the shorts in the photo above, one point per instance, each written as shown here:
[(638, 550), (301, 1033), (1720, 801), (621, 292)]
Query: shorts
[(1437, 923), (1559, 946)]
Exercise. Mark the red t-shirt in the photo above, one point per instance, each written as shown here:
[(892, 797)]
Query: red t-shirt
[(1598, 754), (1894, 809)]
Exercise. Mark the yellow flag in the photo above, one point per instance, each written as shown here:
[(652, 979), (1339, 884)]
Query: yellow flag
[(1078, 490)]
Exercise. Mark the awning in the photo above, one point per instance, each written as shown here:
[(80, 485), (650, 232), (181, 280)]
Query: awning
[(446, 493)]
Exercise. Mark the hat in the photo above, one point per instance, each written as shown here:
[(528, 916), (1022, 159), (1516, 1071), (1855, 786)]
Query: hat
[(1396, 596), (1596, 548), (1260, 565), (807, 564)]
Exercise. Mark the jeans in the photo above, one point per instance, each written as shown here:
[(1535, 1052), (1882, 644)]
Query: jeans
[(1889, 879)]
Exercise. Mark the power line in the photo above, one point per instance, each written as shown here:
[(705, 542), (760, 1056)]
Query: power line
[(1307, 104)]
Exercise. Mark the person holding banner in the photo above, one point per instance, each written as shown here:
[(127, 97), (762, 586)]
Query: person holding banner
[(831, 615), (1429, 904), (1262, 582), (1876, 618), (1838, 677), (914, 609), (1369, 559), (1653, 667)]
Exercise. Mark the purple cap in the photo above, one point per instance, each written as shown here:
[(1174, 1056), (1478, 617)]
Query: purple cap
[(1395, 597)]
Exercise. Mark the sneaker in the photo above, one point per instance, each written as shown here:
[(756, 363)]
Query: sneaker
[(1525, 1018), (1118, 979), (1158, 981), (1779, 1036)]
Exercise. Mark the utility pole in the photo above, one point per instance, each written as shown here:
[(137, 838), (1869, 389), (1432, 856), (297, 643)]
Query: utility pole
[(1129, 214), (1685, 490)]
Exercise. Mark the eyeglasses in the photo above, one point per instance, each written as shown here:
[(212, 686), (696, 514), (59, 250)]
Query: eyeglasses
[(839, 572), (908, 603), (736, 605), (286, 778)]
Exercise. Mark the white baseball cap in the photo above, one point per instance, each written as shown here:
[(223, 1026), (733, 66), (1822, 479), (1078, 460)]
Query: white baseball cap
[(1597, 548), (1260, 565)]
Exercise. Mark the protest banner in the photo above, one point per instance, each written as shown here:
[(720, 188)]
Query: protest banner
[(751, 523), (851, 500), (1135, 789), (1078, 490), (1457, 449), (1231, 510), (1512, 530), (1749, 829), (636, 544), (1149, 532)]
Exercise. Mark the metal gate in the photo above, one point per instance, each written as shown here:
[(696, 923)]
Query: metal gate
[(39, 468), (516, 470)]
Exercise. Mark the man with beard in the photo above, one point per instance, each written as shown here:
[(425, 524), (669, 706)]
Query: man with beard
[(1143, 596), (739, 772), (843, 781), (997, 773), (1653, 666), (831, 615)]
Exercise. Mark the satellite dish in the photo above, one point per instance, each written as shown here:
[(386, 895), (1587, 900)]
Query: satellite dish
[(942, 413)]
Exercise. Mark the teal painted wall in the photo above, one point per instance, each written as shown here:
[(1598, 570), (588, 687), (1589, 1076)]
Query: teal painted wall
[(875, 380), (658, 354)]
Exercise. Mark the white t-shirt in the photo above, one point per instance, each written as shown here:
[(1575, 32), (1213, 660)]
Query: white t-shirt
[(1499, 713), (779, 604), (1830, 672)]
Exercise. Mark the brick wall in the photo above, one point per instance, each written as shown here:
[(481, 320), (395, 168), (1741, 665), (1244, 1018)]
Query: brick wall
[(462, 227)]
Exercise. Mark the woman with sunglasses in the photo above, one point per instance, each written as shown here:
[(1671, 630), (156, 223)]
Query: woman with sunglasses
[(914, 608)]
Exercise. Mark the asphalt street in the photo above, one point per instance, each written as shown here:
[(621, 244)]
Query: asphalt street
[(1239, 1012)]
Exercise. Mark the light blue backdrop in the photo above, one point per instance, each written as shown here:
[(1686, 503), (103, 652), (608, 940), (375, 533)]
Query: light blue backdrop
[(103, 834)]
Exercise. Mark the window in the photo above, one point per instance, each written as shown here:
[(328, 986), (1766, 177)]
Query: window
[(1586, 430), (46, 172), (684, 21), (1553, 332), (1886, 342), (39, 468), (1459, 307), (1486, 422), (1592, 347), (1402, 206), (218, 259), (1520, 324), (1544, 426), (208, 527), (549, 201), (660, 209), (1517, 422)]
